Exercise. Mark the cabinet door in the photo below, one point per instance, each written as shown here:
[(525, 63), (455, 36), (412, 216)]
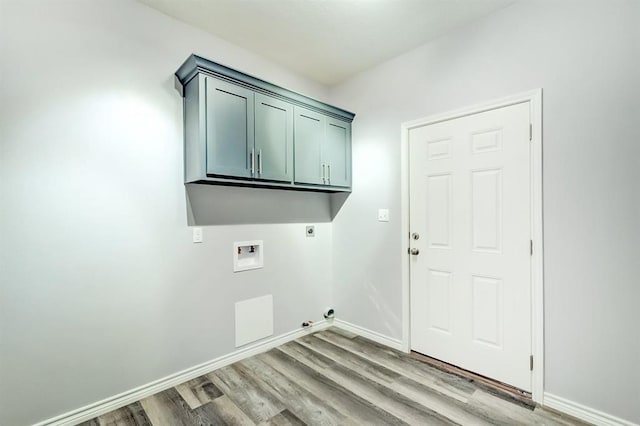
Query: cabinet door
[(230, 136), (274, 139), (309, 136), (336, 152)]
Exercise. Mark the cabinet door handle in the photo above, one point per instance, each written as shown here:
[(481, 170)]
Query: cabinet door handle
[(252, 161), (324, 179), (329, 172), (259, 161)]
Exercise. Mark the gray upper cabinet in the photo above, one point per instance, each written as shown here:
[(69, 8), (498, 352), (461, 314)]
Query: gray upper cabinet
[(322, 149), (336, 152), (273, 139), (309, 136), (230, 129), (240, 130)]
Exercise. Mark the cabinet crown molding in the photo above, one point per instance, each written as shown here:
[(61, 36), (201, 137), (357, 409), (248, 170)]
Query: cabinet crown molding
[(196, 64)]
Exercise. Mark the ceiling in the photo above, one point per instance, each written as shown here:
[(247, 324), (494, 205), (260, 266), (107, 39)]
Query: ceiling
[(328, 40)]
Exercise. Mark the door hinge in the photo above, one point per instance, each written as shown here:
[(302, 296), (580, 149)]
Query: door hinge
[(531, 247), (530, 132), (530, 362)]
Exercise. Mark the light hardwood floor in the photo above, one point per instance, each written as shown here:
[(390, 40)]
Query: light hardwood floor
[(330, 378)]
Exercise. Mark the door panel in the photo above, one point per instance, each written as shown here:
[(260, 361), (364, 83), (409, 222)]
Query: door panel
[(309, 135), (487, 310), (336, 152), (230, 135), (470, 203), (486, 210), (439, 211), (274, 139), (439, 300)]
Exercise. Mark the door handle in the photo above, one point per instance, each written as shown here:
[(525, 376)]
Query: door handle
[(329, 173), (252, 161), (324, 179), (259, 161), (414, 252)]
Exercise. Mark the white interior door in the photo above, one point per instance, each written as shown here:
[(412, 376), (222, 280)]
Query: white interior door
[(470, 209)]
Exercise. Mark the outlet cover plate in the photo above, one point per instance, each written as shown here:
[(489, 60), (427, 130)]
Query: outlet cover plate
[(311, 231)]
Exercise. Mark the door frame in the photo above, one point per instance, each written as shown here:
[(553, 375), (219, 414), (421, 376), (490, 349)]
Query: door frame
[(534, 97)]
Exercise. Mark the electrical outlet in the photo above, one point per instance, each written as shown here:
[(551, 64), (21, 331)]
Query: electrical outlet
[(383, 215)]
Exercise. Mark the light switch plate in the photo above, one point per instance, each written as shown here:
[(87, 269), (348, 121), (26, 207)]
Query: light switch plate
[(383, 215), (197, 235)]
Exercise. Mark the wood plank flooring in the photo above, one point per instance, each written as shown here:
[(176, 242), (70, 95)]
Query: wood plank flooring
[(331, 378)]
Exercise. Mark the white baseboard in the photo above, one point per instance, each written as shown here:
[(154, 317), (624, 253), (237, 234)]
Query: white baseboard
[(583, 412), (371, 335), (112, 403)]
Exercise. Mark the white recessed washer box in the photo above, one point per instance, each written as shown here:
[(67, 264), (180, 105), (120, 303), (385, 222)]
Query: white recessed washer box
[(248, 255)]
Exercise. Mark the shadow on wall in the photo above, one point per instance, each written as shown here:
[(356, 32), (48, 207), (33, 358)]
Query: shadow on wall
[(229, 205)]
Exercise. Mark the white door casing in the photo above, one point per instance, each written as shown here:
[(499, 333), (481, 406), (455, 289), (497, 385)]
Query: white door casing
[(470, 204)]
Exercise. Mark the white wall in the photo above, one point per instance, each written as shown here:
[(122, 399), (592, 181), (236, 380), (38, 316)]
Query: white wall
[(586, 57), (101, 289)]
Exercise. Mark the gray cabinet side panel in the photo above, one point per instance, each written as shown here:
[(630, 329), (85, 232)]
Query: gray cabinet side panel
[(336, 152), (194, 131), (274, 138), (308, 138)]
